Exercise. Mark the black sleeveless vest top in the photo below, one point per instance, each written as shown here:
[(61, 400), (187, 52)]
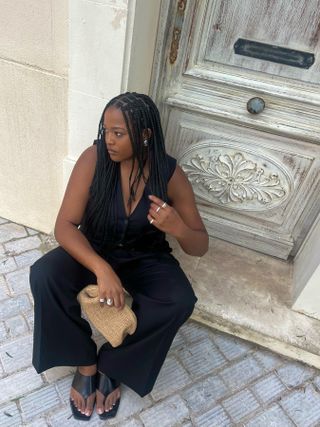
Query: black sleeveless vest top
[(134, 232)]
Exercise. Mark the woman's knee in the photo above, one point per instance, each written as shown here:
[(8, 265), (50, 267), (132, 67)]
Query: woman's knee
[(184, 302), (39, 273), (45, 272)]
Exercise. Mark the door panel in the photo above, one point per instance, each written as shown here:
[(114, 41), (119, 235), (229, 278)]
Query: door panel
[(256, 177), (293, 24)]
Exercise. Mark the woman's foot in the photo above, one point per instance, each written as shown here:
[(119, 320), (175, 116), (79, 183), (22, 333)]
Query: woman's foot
[(84, 406), (105, 404), (107, 401)]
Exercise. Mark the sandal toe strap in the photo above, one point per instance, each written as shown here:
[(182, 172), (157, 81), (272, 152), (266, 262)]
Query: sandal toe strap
[(84, 384), (105, 384)]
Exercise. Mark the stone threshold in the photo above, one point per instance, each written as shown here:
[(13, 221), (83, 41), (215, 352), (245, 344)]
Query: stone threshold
[(248, 294)]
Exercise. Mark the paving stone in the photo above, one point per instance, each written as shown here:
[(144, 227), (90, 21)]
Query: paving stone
[(294, 373), (40, 422), (303, 406), (271, 417), (131, 423), (59, 372), (168, 413), (16, 354), (316, 382), (240, 405), (63, 418), (240, 374), (48, 242), (31, 231), (7, 264), (202, 395), (10, 415), (194, 332), (232, 347), (178, 342), (28, 258), (29, 316), (18, 280), (267, 389), (19, 384), (4, 290), (16, 326), (216, 417), (63, 386), (3, 332), (172, 377), (14, 305), (268, 360), (9, 231), (38, 402), (21, 245), (131, 403), (201, 358), (3, 220)]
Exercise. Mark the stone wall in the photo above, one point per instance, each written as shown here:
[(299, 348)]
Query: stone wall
[(33, 109)]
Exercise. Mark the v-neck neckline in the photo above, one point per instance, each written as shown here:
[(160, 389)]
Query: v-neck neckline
[(123, 202)]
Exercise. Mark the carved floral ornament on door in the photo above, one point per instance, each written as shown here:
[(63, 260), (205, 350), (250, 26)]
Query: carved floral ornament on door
[(236, 179)]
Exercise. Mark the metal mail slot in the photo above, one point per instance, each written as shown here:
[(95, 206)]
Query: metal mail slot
[(268, 52)]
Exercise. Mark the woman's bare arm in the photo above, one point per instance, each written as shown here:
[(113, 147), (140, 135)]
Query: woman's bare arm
[(71, 211), (72, 239)]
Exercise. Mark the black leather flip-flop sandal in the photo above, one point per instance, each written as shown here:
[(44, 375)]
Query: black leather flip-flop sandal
[(106, 386), (85, 385)]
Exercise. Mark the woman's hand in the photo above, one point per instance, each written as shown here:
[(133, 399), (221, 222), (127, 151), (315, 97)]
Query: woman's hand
[(165, 217), (182, 219), (110, 287)]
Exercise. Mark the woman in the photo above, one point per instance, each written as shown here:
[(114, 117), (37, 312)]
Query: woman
[(123, 195)]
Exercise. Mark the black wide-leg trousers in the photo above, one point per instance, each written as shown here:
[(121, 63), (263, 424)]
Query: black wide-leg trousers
[(163, 300)]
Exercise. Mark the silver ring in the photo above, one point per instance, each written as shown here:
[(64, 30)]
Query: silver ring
[(163, 205), (101, 299), (158, 208), (109, 301), (151, 221)]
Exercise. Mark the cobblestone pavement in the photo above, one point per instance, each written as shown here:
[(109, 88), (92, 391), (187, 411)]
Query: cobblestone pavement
[(208, 379)]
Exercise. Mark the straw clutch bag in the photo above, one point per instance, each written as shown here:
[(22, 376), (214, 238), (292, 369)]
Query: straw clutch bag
[(114, 325)]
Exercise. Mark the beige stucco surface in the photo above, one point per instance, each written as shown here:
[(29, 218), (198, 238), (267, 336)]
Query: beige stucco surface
[(34, 33), (33, 109), (248, 294), (97, 32)]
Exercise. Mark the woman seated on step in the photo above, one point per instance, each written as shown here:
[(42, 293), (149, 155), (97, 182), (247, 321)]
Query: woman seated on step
[(124, 195)]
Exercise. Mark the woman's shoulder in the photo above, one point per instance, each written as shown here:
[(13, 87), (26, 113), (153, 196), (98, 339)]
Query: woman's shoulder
[(85, 166), (88, 158), (89, 154)]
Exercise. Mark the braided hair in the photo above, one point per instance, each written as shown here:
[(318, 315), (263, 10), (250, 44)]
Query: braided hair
[(140, 113)]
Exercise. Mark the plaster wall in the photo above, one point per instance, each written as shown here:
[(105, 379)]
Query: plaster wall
[(111, 46), (33, 109)]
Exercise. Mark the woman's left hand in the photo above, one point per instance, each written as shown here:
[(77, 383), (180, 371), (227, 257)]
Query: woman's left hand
[(165, 217)]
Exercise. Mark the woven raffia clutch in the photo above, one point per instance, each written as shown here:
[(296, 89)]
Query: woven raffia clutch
[(114, 325)]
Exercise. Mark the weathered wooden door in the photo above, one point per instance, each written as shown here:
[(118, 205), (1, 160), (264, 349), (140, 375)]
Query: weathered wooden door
[(255, 174)]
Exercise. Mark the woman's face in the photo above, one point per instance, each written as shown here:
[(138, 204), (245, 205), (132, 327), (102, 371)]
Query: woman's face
[(116, 135)]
